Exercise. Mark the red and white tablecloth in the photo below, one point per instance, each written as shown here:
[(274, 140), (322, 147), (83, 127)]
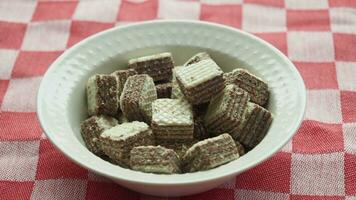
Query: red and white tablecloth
[(319, 36)]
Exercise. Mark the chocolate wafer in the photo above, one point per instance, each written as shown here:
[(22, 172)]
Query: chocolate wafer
[(254, 85), (164, 90), (102, 95), (240, 148), (137, 96), (154, 159), (91, 129), (176, 92), (179, 146), (118, 141), (122, 75), (172, 119), (158, 66), (200, 81), (226, 110), (253, 129), (210, 153), (196, 58)]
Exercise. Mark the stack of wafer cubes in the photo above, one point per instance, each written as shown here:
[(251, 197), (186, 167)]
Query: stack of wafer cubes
[(157, 117)]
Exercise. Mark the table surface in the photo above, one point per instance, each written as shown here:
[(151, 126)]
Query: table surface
[(319, 36)]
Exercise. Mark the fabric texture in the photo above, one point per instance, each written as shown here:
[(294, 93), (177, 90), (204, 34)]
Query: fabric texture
[(319, 36)]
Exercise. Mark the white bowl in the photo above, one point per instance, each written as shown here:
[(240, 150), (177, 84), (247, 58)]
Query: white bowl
[(62, 106)]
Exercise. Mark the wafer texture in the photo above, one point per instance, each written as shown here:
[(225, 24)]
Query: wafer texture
[(118, 141), (226, 110), (172, 119), (254, 85), (210, 153), (154, 159), (200, 131), (158, 66), (179, 146), (122, 76), (102, 95), (176, 91), (197, 58), (200, 81), (253, 129), (137, 96), (91, 129), (164, 90), (240, 148)]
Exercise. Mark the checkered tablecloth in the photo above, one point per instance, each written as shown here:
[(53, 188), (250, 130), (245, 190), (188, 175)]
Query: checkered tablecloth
[(319, 36)]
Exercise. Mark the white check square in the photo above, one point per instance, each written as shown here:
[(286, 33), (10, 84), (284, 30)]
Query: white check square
[(311, 46), (349, 131), (318, 174), (254, 194), (8, 58), (21, 95), (345, 72), (307, 4), (178, 10), (268, 19), (18, 160), (59, 189), (17, 11), (46, 36), (343, 20), (324, 106), (100, 11)]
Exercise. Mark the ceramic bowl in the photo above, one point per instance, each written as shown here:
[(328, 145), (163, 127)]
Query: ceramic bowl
[(61, 103)]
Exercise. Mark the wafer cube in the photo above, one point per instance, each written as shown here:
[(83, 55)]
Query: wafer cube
[(154, 159), (226, 110), (255, 125), (196, 58), (254, 85), (164, 90), (91, 129), (200, 110), (137, 96), (102, 95), (122, 75), (158, 66), (210, 153), (200, 81), (176, 92), (172, 119), (118, 141)]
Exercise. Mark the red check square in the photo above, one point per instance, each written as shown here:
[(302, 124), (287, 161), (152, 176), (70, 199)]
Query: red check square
[(103, 190), (218, 194), (350, 174), (224, 14), (276, 3), (52, 164), (11, 34), (318, 75), (342, 3), (33, 63), (54, 10), (345, 47), (19, 126), (318, 137), (138, 11), (348, 106), (82, 29), (3, 88), (16, 190), (272, 175), (298, 20), (278, 40)]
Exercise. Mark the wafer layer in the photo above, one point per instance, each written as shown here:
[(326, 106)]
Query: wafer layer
[(254, 85), (154, 159), (91, 129), (164, 90), (197, 58), (210, 153), (158, 66)]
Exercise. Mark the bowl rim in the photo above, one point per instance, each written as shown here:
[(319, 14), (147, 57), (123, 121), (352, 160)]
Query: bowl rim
[(152, 181)]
